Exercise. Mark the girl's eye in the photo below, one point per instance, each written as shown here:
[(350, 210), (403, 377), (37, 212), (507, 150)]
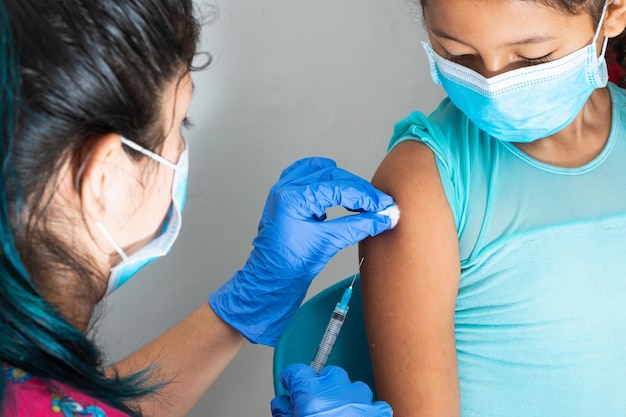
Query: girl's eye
[(537, 61), (187, 124), (459, 59)]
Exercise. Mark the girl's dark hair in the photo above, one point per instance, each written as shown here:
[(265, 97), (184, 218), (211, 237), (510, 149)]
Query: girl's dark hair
[(69, 70), (617, 45), (571, 7)]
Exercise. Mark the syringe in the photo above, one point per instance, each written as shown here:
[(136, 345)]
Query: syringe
[(332, 330)]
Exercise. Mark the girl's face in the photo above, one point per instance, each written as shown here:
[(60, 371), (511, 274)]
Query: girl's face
[(496, 36)]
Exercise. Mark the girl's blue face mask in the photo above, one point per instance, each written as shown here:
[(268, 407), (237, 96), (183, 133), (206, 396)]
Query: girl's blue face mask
[(528, 103), (161, 245)]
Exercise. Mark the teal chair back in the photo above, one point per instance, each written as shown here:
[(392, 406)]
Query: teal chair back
[(300, 340)]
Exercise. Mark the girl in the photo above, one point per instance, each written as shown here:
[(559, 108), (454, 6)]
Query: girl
[(501, 292)]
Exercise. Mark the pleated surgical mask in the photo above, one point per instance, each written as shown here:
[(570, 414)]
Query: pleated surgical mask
[(528, 103), (162, 244)]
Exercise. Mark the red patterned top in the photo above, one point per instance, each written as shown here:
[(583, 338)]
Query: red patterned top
[(27, 396)]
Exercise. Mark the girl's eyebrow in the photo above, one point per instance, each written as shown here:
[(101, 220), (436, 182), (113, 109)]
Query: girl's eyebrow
[(443, 35), (525, 41), (440, 34), (531, 39)]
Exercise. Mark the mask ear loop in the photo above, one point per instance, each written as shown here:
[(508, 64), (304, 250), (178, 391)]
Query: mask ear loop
[(148, 153), (108, 236), (605, 42), (604, 45)]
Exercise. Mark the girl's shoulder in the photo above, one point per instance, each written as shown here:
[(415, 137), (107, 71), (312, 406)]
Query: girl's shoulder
[(26, 396)]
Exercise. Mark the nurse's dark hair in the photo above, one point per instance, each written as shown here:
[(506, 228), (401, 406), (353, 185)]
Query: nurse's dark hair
[(71, 70)]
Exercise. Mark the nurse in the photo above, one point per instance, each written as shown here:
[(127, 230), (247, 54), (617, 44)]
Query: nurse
[(94, 96)]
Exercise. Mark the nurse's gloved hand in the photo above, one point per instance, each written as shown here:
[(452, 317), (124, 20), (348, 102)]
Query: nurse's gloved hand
[(295, 243), (331, 394)]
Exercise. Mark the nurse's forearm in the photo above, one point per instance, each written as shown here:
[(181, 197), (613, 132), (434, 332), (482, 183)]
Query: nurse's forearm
[(191, 355)]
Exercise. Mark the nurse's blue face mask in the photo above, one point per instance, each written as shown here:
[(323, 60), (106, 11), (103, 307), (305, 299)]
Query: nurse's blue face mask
[(528, 103), (162, 244)]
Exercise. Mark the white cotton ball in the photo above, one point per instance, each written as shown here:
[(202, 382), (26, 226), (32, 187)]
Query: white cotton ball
[(393, 213)]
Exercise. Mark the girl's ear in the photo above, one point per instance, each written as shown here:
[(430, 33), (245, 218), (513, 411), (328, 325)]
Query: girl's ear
[(615, 20), (98, 178)]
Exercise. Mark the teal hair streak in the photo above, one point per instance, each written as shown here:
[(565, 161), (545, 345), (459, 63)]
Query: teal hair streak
[(35, 337)]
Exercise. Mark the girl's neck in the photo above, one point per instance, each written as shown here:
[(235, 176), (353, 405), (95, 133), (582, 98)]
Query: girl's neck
[(581, 141)]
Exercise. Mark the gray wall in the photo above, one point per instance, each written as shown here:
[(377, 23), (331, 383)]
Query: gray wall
[(289, 79)]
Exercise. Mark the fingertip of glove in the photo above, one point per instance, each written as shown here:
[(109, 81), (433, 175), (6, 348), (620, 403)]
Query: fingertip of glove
[(393, 213), (281, 406), (295, 372), (335, 373), (385, 409)]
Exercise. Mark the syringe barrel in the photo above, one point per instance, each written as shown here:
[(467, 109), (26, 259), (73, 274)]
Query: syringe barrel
[(328, 341)]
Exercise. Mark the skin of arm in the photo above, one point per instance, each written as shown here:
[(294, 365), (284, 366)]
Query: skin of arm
[(410, 281), (191, 355)]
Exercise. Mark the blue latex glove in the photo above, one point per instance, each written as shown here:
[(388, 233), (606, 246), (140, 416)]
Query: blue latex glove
[(294, 244), (331, 394)]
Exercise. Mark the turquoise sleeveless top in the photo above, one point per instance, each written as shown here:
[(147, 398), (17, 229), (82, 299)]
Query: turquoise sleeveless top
[(540, 317)]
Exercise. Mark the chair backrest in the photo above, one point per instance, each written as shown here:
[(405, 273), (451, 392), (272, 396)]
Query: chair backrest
[(300, 340)]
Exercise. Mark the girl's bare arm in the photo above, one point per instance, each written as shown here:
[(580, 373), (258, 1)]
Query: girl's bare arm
[(410, 280)]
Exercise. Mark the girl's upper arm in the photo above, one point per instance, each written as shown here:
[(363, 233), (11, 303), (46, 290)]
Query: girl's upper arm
[(410, 280)]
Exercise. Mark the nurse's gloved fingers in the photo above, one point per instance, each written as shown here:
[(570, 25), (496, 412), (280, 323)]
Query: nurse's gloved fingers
[(353, 392), (384, 409), (360, 392), (393, 212), (378, 409), (295, 374), (314, 199), (281, 406), (348, 230), (354, 194), (305, 167), (312, 170), (335, 374)]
